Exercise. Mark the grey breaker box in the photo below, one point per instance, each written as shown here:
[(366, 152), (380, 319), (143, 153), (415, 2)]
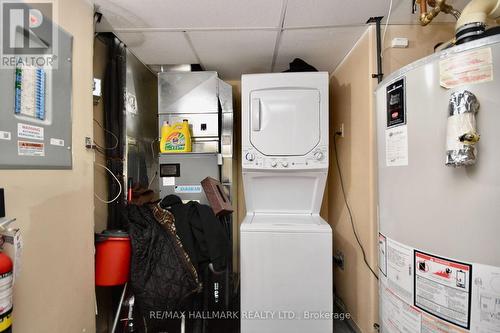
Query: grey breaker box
[(35, 120), (207, 103)]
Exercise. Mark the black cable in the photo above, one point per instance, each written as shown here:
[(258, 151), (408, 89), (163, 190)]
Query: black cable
[(349, 207)]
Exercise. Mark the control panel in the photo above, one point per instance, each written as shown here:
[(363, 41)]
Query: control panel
[(253, 159)]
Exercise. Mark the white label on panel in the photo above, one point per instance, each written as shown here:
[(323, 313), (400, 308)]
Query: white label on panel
[(382, 253), (29, 131), (188, 189), (442, 288), (131, 103), (57, 142), (469, 67), (26, 148), (5, 135), (485, 299), (168, 181), (396, 146), (400, 270), (397, 315)]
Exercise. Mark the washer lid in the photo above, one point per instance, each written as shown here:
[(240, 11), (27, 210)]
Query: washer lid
[(285, 122), (286, 223)]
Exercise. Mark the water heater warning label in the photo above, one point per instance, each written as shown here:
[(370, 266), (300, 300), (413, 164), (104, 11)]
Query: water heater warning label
[(474, 66), (397, 315), (486, 299), (442, 287)]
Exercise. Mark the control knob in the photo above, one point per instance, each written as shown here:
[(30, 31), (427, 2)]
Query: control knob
[(250, 157), (318, 155), (284, 164), (274, 164)]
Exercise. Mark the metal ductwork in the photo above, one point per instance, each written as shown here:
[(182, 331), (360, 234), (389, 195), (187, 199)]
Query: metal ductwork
[(176, 68)]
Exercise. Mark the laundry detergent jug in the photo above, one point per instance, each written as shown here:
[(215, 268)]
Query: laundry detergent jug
[(175, 138)]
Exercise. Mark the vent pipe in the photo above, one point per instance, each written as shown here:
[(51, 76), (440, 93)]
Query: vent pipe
[(473, 20)]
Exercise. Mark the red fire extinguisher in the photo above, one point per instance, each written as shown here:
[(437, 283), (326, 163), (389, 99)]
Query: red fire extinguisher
[(6, 286)]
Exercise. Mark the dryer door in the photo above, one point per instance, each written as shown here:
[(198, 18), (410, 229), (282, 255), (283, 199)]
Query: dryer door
[(285, 122)]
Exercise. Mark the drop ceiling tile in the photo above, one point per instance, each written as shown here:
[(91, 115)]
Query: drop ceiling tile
[(232, 53), (321, 48), (191, 13), (159, 47), (303, 13)]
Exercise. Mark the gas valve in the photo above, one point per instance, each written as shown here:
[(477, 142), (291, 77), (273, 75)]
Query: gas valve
[(462, 133)]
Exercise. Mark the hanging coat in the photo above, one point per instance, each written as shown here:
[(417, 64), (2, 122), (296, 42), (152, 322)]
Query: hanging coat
[(201, 233), (162, 276)]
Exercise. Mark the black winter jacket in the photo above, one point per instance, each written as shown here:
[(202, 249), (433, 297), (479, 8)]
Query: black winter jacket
[(201, 233)]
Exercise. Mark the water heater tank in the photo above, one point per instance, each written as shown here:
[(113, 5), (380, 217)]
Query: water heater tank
[(438, 140)]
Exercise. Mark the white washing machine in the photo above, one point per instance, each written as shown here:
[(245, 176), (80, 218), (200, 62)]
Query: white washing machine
[(286, 247)]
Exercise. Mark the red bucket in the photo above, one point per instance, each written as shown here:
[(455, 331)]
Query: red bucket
[(112, 259)]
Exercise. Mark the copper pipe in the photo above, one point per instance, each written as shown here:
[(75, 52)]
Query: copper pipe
[(423, 6), (438, 6)]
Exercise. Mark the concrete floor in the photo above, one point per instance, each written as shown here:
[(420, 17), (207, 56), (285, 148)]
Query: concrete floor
[(340, 326)]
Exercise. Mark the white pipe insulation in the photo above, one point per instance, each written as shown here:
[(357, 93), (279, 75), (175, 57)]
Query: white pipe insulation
[(478, 11)]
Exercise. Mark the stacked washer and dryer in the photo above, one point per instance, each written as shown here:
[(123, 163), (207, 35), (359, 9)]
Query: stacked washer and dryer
[(286, 247)]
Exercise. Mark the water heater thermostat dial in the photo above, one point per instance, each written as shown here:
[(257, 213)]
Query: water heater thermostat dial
[(250, 157)]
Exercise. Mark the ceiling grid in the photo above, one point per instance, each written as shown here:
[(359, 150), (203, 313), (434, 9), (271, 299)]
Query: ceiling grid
[(280, 31), (240, 36)]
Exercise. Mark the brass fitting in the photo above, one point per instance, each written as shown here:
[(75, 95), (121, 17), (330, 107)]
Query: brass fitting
[(438, 6)]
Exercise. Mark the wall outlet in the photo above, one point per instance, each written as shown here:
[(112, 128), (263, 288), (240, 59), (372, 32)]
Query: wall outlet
[(340, 130), (89, 144), (338, 259)]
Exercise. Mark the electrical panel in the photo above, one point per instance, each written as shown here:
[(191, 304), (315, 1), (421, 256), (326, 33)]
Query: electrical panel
[(35, 122)]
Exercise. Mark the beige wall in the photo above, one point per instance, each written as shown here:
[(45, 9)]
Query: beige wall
[(351, 103), (54, 209), (421, 43), (351, 99)]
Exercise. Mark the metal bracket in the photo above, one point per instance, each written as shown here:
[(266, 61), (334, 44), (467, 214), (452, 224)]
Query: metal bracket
[(377, 19)]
